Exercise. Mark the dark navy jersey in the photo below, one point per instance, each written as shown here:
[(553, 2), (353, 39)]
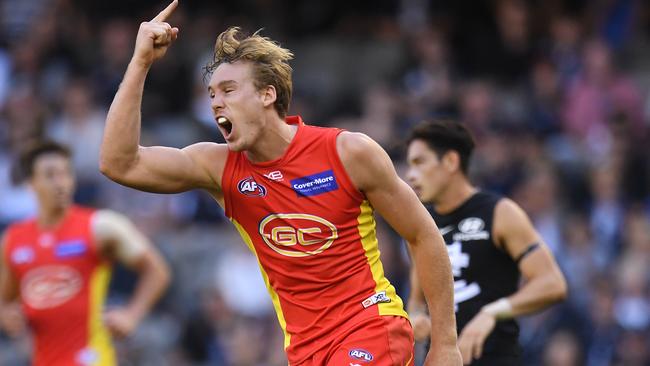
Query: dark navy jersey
[(483, 271)]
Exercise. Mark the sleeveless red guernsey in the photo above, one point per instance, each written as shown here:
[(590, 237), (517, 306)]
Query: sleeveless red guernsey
[(63, 283), (314, 237)]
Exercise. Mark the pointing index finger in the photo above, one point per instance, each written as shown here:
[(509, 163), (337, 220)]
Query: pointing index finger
[(166, 12)]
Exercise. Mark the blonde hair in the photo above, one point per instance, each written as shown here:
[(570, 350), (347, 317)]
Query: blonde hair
[(269, 60)]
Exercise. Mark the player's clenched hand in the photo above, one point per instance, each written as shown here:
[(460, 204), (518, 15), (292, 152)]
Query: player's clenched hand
[(155, 37), (472, 337), (12, 320), (120, 322), (421, 324)]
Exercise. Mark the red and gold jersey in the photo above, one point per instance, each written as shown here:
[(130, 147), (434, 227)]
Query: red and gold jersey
[(63, 283), (314, 236)]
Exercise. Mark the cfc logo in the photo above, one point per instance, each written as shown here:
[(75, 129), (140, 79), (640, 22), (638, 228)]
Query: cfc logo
[(297, 235), (249, 187)]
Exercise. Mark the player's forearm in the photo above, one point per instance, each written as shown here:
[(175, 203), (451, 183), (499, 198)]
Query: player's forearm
[(416, 303), (436, 281), (538, 293), (152, 282), (122, 131), (535, 295)]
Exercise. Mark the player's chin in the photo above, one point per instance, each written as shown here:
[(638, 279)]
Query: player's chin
[(236, 146)]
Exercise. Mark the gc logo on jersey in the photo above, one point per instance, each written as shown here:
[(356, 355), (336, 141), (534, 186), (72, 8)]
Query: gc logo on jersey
[(50, 286), (297, 235), (249, 187)]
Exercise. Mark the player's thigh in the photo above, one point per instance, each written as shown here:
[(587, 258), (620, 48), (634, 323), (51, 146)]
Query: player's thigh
[(382, 341)]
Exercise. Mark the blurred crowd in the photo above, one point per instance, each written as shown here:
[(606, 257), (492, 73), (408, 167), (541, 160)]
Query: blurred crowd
[(557, 94)]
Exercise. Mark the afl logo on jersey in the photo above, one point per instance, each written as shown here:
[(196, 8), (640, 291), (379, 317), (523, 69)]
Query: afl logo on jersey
[(249, 187), (297, 235), (50, 286)]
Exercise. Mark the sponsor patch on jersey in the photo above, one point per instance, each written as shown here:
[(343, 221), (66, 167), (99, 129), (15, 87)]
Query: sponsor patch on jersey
[(275, 175), (249, 187), (22, 254), (70, 248), (471, 228), (360, 354), (315, 184), (375, 299), (50, 286)]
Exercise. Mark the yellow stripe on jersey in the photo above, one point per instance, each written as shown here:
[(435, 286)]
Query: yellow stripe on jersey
[(368, 235), (274, 296), (100, 339)]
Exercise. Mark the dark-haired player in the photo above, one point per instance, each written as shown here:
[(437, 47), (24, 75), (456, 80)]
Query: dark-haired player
[(490, 241), (59, 265)]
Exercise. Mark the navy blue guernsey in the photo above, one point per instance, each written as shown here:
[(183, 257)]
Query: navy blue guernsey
[(483, 270)]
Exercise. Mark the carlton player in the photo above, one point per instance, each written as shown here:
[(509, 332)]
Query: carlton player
[(490, 241), (59, 265), (302, 199)]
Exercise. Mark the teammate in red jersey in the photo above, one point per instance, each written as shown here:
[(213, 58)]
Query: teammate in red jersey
[(59, 266), (301, 197)]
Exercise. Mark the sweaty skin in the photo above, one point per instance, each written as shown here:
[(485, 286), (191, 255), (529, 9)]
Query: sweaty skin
[(257, 129)]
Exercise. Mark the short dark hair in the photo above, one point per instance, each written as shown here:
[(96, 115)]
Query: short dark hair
[(444, 135), (29, 156)]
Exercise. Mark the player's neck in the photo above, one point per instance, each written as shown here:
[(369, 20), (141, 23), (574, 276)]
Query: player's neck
[(50, 217), (273, 142), (457, 193)]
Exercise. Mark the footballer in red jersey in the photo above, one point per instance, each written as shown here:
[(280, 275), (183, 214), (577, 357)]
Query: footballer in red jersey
[(302, 199), (58, 265)]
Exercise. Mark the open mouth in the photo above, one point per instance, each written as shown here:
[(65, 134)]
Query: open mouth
[(225, 123)]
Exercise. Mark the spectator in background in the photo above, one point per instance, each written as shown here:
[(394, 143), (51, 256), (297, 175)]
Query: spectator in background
[(600, 91), (80, 125)]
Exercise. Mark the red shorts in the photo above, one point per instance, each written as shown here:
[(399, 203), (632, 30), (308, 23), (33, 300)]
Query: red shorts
[(378, 341)]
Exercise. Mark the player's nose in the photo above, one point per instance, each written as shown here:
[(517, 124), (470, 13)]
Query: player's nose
[(217, 103), (410, 176)]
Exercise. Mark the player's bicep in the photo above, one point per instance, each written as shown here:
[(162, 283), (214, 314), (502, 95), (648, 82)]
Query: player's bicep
[(163, 169), (539, 262), (372, 172), (400, 207), (117, 237), (519, 238)]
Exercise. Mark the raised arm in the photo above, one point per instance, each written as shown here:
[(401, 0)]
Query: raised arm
[(372, 171), (154, 169), (118, 239)]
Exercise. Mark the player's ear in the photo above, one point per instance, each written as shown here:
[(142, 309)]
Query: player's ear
[(451, 161), (269, 95)]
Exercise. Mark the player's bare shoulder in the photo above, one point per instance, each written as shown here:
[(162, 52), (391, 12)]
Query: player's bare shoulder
[(210, 156), (364, 160)]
